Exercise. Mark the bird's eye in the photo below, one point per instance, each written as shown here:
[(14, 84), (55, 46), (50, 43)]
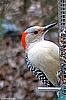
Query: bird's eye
[(35, 32)]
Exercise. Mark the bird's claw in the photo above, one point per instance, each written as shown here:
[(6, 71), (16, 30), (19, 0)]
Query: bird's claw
[(59, 76)]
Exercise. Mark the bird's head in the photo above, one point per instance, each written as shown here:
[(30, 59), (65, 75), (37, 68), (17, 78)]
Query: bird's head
[(34, 33)]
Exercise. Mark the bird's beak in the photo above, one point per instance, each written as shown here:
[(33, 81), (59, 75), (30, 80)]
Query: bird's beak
[(47, 27)]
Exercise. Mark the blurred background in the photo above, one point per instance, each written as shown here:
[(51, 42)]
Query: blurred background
[(16, 81)]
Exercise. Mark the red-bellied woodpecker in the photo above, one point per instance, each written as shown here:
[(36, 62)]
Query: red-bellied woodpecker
[(41, 54)]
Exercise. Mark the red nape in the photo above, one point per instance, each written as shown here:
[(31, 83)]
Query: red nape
[(23, 40)]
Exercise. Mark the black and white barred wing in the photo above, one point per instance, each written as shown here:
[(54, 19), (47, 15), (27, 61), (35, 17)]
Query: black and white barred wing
[(38, 73)]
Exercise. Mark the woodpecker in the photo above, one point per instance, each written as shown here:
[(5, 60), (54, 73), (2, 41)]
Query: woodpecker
[(42, 56)]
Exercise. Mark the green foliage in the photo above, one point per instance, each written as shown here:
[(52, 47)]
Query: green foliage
[(1, 30), (1, 27), (50, 2)]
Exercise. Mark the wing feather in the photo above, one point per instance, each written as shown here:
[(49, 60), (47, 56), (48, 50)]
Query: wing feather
[(45, 56)]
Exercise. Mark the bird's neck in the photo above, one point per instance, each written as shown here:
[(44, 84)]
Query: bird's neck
[(30, 45)]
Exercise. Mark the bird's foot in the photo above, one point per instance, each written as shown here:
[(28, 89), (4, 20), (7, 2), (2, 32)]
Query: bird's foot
[(59, 76)]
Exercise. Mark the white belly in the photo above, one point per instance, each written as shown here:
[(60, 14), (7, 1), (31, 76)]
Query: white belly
[(45, 56)]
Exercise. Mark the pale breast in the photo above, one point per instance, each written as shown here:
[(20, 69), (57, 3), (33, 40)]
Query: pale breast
[(45, 56)]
